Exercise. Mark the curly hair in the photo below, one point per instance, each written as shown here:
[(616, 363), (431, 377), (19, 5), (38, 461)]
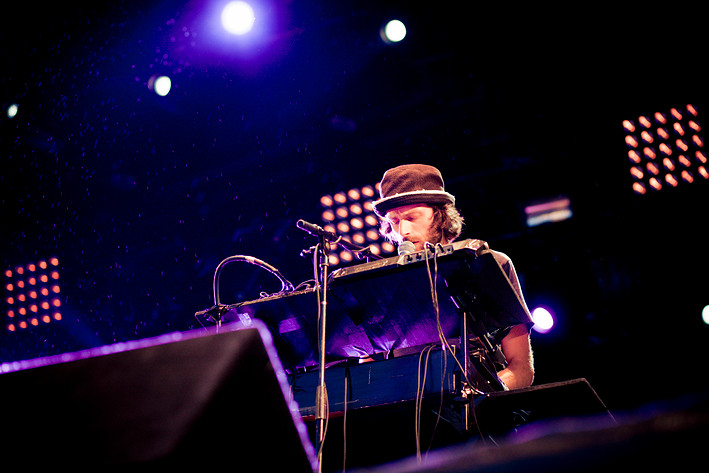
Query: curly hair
[(447, 224)]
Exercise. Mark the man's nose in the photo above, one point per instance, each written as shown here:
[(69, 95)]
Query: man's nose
[(404, 228)]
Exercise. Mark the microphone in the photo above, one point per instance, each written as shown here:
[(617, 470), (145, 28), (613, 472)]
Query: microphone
[(406, 247), (315, 230)]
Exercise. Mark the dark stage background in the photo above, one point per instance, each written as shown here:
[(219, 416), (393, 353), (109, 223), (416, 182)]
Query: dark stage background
[(139, 197)]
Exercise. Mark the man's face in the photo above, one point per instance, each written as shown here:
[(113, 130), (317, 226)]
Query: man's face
[(413, 223)]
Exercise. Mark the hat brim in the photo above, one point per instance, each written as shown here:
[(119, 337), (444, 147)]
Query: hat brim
[(382, 206)]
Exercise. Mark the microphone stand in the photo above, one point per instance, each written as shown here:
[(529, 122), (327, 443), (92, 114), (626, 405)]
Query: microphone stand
[(325, 238), (323, 255)]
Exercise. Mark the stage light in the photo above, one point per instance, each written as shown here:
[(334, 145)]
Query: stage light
[(705, 314), (678, 135), (543, 320), (555, 210), (30, 294), (162, 85), (12, 110), (393, 32), (238, 18), (352, 217)]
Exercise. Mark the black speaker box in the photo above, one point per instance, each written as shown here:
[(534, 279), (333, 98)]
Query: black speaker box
[(199, 397)]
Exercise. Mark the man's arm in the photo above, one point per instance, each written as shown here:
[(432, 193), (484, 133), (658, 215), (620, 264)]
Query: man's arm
[(517, 349)]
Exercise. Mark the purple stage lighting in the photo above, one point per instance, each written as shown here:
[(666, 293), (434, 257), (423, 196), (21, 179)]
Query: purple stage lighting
[(238, 18), (543, 320)]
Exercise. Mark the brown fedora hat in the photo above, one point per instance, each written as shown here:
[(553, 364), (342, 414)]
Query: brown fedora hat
[(411, 184)]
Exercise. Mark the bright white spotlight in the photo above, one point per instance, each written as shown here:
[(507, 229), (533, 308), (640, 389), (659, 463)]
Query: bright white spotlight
[(162, 86), (238, 18), (12, 110), (705, 314), (543, 320), (394, 31)]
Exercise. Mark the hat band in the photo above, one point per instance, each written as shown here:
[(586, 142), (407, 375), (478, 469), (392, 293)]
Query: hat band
[(382, 206)]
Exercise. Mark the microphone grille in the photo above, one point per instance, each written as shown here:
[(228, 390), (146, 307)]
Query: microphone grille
[(405, 248)]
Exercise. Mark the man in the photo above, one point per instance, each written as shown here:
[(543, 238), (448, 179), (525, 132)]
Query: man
[(415, 207)]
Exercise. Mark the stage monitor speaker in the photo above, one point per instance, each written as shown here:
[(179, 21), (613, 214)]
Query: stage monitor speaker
[(190, 398), (500, 413)]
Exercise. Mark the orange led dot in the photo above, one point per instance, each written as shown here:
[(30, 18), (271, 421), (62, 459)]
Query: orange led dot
[(644, 121), (676, 113), (629, 126), (54, 261), (639, 188), (671, 180), (368, 206), (357, 223), (668, 164), (653, 169), (636, 172), (370, 220), (22, 311), (11, 313), (678, 129), (21, 298), (54, 275), (681, 144), (56, 303), (684, 161), (694, 126), (34, 321), (666, 150), (31, 267), (387, 247), (687, 176), (345, 256), (57, 316), (46, 319), (634, 156), (32, 281), (662, 133), (329, 228), (354, 194), (368, 191), (631, 141), (655, 184), (20, 270), (9, 287), (23, 324), (10, 300), (45, 305), (342, 212), (342, 227), (340, 197), (33, 294), (34, 308), (698, 141), (703, 172), (44, 278), (43, 264), (701, 157), (20, 284), (660, 118), (326, 201), (8, 273), (647, 137), (358, 238), (44, 291), (11, 327), (328, 215), (372, 235), (691, 109), (356, 209), (333, 260)]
